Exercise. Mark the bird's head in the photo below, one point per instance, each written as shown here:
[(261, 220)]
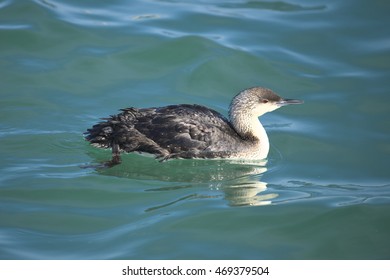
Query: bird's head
[(257, 101)]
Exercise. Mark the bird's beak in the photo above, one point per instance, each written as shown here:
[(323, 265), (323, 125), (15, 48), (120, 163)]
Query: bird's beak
[(285, 102)]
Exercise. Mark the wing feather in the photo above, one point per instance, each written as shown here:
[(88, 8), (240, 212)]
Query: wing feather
[(171, 131)]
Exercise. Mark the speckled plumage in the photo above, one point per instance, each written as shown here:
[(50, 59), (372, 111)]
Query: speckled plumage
[(176, 131), (190, 131)]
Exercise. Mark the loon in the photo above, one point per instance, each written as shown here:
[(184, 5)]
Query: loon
[(191, 131)]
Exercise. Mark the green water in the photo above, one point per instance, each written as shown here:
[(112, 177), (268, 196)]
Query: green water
[(324, 192)]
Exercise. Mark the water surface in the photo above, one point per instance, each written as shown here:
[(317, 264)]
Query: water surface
[(324, 192)]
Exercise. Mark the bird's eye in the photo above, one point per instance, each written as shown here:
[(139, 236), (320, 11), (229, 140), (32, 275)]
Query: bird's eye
[(264, 101)]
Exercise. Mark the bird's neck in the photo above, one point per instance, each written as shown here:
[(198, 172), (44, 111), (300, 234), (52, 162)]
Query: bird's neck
[(250, 128), (252, 131), (246, 122)]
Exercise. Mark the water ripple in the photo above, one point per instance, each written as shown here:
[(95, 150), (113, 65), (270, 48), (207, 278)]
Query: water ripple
[(67, 63), (109, 15), (14, 26), (334, 194), (5, 3)]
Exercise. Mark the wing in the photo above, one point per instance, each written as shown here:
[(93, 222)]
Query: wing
[(183, 131), (187, 130)]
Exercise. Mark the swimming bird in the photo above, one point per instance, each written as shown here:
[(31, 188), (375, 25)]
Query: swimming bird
[(191, 131)]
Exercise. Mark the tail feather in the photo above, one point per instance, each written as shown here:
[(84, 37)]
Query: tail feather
[(121, 136), (100, 135)]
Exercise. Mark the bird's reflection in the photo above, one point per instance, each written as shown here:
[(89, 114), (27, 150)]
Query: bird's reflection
[(237, 181), (248, 194)]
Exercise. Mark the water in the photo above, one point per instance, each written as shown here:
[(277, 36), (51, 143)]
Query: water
[(324, 192)]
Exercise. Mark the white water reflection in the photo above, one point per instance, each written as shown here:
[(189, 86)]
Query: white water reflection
[(237, 182)]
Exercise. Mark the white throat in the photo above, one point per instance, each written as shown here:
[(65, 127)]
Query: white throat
[(252, 129)]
